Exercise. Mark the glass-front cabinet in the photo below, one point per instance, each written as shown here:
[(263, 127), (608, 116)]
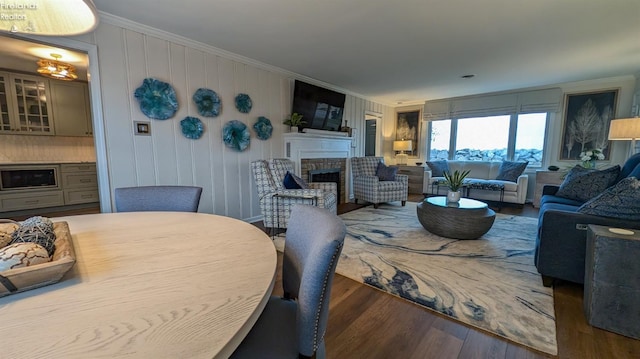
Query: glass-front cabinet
[(25, 106)]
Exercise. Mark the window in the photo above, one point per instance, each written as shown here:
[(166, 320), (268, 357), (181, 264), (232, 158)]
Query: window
[(517, 137)]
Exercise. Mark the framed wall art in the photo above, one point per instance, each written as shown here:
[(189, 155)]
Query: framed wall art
[(408, 128), (586, 123)]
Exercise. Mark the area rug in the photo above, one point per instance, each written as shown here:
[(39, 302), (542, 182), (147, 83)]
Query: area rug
[(490, 283)]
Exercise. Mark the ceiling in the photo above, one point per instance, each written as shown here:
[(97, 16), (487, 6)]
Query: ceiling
[(407, 51), (412, 50)]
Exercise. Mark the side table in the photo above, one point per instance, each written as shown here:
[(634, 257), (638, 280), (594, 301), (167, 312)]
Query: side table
[(416, 177), (612, 280)]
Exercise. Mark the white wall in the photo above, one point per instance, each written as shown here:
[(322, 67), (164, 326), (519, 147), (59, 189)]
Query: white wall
[(128, 53)]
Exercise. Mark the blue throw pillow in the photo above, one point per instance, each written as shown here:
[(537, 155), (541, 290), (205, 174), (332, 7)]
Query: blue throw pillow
[(583, 184), (636, 172), (510, 171), (292, 181), (438, 168), (386, 173), (621, 200)]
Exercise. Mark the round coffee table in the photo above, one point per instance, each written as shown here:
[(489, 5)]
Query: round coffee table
[(467, 219)]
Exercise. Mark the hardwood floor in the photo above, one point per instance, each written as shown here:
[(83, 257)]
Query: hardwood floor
[(367, 323)]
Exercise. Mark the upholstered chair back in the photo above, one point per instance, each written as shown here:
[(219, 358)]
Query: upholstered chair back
[(262, 176), (312, 248), (279, 168), (365, 166), (158, 198)]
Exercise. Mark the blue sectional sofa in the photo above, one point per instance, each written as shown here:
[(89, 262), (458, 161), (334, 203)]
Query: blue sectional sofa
[(562, 231)]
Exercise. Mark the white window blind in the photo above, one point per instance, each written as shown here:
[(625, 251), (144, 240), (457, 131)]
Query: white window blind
[(547, 100)]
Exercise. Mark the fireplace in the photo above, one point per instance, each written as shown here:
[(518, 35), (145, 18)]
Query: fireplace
[(326, 170), (326, 175)]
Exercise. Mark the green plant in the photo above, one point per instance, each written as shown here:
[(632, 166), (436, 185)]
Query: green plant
[(294, 120), (454, 181)]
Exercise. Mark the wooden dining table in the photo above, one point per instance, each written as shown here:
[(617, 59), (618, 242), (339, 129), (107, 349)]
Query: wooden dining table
[(146, 285)]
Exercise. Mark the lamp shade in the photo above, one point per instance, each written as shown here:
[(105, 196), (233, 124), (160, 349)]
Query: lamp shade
[(404, 145), (49, 18), (624, 129)]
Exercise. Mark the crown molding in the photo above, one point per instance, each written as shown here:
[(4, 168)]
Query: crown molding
[(181, 40)]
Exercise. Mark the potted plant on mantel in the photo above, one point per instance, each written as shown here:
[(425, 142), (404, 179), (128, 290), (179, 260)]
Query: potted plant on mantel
[(454, 182), (294, 121)]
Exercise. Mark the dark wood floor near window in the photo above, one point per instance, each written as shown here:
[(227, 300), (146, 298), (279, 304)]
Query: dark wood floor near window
[(367, 323)]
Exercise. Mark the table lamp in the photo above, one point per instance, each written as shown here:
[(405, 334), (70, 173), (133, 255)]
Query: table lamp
[(625, 129), (402, 145)]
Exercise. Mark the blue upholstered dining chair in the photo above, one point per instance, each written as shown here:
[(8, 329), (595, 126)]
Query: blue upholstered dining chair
[(293, 326), (158, 198)]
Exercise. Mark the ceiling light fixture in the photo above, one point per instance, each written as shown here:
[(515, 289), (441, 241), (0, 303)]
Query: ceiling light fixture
[(49, 18), (57, 69)]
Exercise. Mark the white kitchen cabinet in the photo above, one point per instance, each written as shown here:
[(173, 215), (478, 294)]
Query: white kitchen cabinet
[(71, 110), (24, 106)]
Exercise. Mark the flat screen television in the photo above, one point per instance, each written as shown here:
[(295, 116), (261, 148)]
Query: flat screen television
[(321, 108)]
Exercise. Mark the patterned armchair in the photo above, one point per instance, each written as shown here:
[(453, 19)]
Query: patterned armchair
[(367, 186), (276, 201)]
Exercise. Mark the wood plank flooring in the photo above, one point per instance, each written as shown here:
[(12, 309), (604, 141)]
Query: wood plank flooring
[(367, 323)]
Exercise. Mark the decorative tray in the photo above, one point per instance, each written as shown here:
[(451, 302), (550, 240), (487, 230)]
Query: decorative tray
[(25, 278)]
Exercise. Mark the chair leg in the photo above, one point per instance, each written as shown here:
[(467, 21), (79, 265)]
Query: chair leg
[(403, 203), (547, 281), (356, 200), (375, 205)]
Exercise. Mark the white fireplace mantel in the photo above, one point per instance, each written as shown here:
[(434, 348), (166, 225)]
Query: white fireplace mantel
[(298, 146)]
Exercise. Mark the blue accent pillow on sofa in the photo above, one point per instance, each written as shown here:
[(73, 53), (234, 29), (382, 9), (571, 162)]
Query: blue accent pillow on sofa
[(583, 184), (630, 165), (292, 181), (386, 173), (438, 168), (621, 200), (510, 171)]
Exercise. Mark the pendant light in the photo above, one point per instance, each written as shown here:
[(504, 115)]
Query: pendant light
[(57, 69), (49, 18)]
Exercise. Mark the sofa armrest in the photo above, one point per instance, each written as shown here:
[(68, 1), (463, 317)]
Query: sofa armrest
[(561, 243), (550, 189), (523, 183)]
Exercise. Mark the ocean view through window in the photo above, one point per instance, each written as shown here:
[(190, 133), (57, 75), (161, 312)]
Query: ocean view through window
[(518, 137)]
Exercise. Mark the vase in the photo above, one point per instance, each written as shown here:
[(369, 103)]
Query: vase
[(453, 196), (589, 164), (294, 129)]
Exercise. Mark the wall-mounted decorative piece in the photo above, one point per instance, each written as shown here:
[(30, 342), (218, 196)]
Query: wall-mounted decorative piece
[(208, 102), (192, 127), (235, 135), (263, 128), (243, 103), (586, 123), (408, 128), (157, 99)]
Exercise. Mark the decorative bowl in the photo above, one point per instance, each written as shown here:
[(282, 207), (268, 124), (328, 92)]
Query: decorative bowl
[(418, 163)]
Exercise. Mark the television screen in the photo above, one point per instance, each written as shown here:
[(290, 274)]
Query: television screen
[(321, 108)]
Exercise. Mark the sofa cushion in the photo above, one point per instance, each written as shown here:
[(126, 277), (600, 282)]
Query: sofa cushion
[(559, 200), (386, 173), (510, 171), (438, 168), (636, 172), (629, 166), (291, 181), (621, 200), (582, 184)]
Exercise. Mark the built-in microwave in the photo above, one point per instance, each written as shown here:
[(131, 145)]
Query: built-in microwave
[(28, 177)]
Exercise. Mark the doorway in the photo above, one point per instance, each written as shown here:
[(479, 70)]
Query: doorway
[(75, 146), (372, 124)]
